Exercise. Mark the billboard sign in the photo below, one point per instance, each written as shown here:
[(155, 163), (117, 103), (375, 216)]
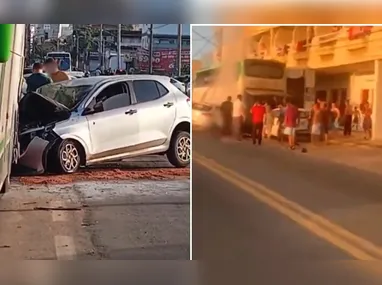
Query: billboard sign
[(164, 61)]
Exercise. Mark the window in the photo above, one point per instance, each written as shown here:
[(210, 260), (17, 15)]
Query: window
[(146, 90), (114, 96), (162, 90)]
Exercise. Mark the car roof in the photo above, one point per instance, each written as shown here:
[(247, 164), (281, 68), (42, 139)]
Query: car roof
[(93, 80)]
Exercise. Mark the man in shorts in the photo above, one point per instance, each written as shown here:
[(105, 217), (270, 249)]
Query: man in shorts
[(291, 119), (316, 130)]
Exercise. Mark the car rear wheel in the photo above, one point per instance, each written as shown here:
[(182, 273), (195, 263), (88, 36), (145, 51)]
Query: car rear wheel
[(68, 157), (179, 153)]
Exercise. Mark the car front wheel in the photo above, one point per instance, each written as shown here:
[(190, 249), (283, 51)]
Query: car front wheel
[(179, 153), (68, 156)]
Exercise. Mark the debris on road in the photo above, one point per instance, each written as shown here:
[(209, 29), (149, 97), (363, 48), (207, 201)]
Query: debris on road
[(112, 174), (5, 246)]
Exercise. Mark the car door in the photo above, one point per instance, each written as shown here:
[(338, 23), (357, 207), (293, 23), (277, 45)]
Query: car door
[(276, 123), (113, 126), (156, 111)]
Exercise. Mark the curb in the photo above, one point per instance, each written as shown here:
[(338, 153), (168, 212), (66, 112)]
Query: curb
[(355, 143)]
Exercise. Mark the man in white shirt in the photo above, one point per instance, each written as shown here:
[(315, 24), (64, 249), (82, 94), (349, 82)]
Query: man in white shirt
[(238, 116)]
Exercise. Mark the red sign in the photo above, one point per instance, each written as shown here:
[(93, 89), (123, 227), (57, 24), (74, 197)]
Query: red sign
[(164, 61)]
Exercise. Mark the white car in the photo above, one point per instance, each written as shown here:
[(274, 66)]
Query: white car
[(205, 116), (301, 129), (180, 85), (85, 121)]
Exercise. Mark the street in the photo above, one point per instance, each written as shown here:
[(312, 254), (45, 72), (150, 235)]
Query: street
[(137, 209), (285, 217)]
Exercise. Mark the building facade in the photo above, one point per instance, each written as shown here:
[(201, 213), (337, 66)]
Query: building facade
[(340, 62), (47, 32), (165, 52)]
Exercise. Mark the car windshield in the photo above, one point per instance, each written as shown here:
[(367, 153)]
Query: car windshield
[(64, 93)]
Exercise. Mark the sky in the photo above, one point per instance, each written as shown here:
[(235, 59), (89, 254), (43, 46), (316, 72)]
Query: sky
[(200, 43), (171, 29)]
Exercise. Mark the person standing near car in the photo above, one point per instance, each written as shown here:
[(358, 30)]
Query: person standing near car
[(51, 68), (37, 78), (268, 121), (290, 122), (348, 119), (226, 110), (258, 112), (326, 122), (316, 123), (238, 116)]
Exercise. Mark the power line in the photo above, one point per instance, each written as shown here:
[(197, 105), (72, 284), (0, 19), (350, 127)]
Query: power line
[(162, 26), (205, 38), (208, 41)]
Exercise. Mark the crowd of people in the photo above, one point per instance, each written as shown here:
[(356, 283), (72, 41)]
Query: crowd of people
[(324, 119), (328, 118), (45, 73), (234, 114)]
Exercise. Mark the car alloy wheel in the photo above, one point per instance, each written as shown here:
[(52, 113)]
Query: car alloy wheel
[(70, 157), (184, 149)]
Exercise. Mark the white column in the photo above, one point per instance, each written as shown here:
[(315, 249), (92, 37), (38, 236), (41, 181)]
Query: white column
[(377, 102)]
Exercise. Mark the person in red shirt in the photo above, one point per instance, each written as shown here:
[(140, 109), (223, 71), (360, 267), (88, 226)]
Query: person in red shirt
[(258, 112)]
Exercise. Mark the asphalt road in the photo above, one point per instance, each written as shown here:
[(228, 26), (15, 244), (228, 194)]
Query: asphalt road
[(243, 237), (90, 220)]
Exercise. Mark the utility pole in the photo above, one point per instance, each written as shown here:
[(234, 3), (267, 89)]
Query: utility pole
[(77, 49), (101, 47), (151, 30), (119, 53), (179, 57)]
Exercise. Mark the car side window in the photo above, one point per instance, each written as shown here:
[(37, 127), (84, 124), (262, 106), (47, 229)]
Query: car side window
[(162, 90), (114, 96), (146, 90)]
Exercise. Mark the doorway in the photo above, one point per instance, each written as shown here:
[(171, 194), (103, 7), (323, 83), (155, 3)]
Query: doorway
[(296, 89)]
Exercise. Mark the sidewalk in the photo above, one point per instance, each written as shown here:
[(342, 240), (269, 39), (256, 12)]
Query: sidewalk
[(356, 139)]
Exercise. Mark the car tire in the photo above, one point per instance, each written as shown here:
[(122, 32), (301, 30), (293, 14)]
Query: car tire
[(68, 157), (179, 152)]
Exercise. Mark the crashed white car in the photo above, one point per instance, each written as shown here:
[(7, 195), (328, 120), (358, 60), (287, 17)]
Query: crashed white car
[(301, 129), (105, 118)]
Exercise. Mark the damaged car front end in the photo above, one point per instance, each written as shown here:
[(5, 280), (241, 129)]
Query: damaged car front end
[(38, 116)]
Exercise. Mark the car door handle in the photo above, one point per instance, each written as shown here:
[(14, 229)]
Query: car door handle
[(130, 112), (168, 104)]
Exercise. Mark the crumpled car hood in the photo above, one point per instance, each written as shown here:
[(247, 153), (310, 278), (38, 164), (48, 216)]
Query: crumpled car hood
[(34, 107)]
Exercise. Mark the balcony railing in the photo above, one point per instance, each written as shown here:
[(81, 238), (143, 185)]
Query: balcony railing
[(358, 37), (301, 49), (326, 44)]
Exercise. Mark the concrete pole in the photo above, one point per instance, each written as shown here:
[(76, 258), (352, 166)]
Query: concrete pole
[(119, 46), (151, 30), (179, 57)]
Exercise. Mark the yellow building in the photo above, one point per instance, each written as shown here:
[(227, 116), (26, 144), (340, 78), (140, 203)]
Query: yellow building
[(344, 63)]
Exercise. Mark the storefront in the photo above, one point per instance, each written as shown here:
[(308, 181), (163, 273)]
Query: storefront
[(360, 84)]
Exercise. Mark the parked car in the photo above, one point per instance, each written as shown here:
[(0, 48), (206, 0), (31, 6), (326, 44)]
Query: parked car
[(85, 121), (302, 129), (205, 116)]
